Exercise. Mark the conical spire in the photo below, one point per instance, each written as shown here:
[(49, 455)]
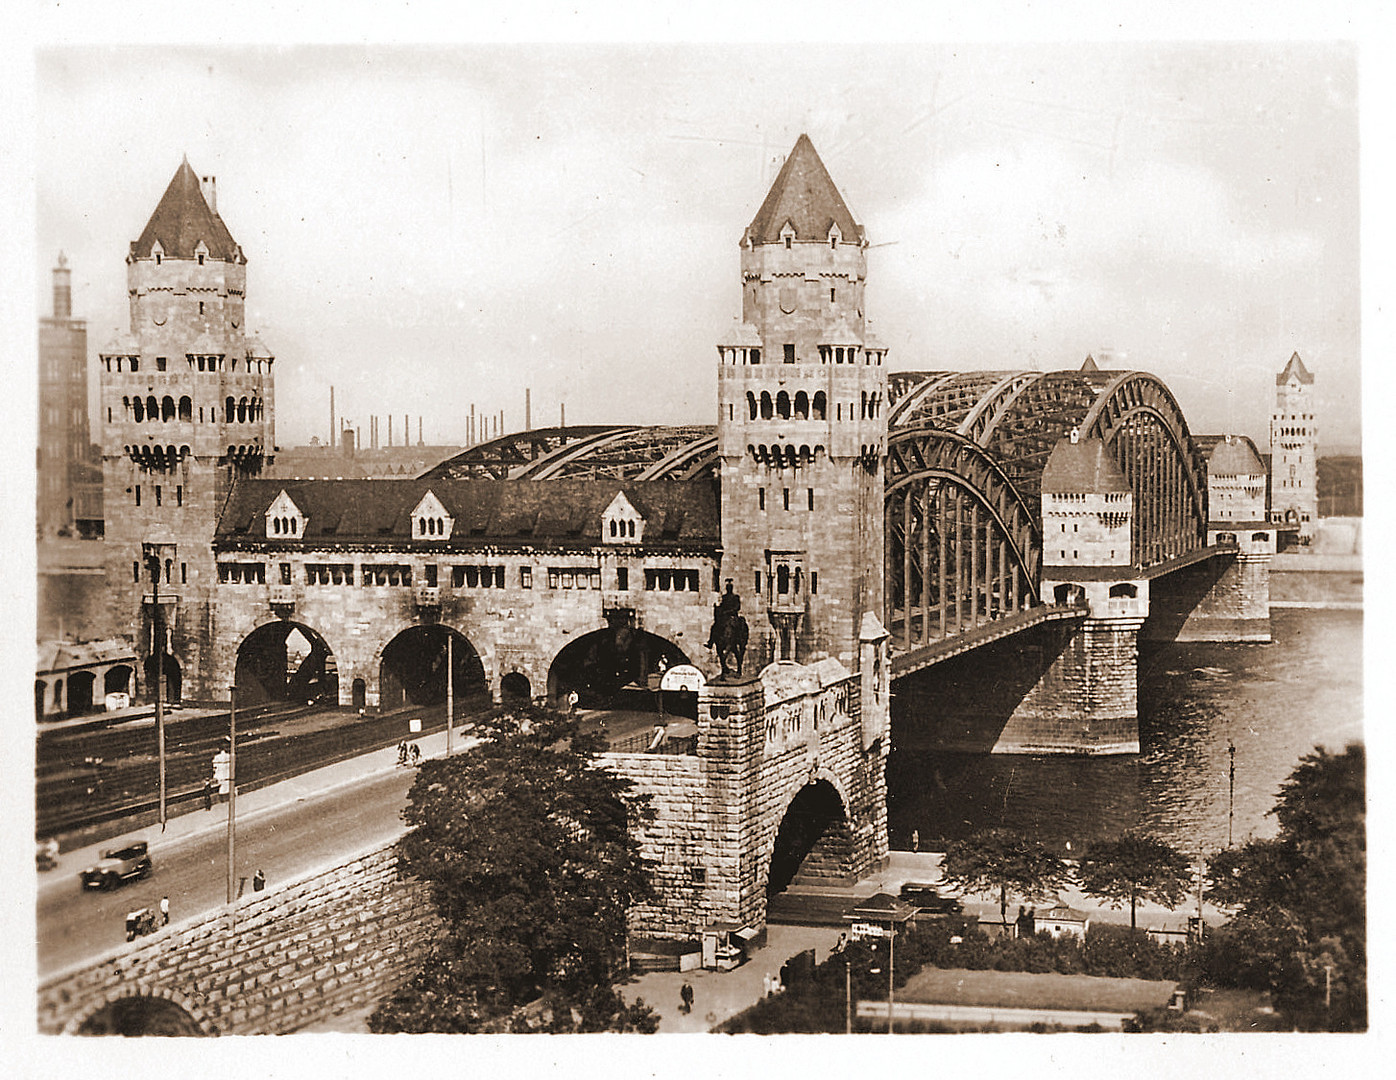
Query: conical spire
[(804, 195), (182, 219), (1295, 366)]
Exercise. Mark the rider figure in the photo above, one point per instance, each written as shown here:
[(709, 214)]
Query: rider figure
[(729, 607)]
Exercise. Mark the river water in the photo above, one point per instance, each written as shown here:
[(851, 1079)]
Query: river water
[(1273, 702)]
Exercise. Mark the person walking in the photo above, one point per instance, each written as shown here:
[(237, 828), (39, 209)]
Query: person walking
[(402, 752), (164, 911), (915, 840), (686, 996), (209, 788), (416, 754), (259, 881)]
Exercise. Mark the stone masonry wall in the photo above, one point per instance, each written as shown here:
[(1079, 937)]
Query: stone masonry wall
[(273, 962)]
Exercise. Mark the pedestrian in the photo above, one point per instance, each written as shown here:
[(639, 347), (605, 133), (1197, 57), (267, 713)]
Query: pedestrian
[(686, 996), (1021, 922), (259, 881), (572, 702), (209, 788), (402, 752), (915, 840), (416, 754), (164, 911)]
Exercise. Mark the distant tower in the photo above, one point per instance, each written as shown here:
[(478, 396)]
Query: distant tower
[(802, 426), (69, 494), (187, 407), (1294, 450)]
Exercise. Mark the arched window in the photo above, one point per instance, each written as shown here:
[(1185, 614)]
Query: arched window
[(766, 410), (782, 579), (293, 526), (751, 404), (230, 409), (820, 405), (1124, 591), (801, 405), (138, 409), (242, 410), (186, 409), (630, 528), (613, 520), (167, 409), (863, 413), (152, 408), (783, 405)]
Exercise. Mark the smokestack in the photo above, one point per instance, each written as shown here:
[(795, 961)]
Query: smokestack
[(406, 430), (419, 429), (528, 409), (470, 430), (564, 413), (209, 187), (332, 440), (62, 289), (390, 429)]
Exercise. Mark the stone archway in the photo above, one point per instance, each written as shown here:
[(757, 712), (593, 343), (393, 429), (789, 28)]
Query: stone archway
[(80, 688), (515, 687), (117, 679), (610, 668), (412, 669), (359, 694), (286, 661), (814, 844), (140, 1015), (174, 679)]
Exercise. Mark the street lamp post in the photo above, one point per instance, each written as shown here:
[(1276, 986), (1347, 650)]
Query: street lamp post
[(153, 553), (891, 955), (450, 703), (1231, 792), (232, 782)]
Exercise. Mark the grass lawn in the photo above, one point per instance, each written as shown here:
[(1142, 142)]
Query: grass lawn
[(1027, 990)]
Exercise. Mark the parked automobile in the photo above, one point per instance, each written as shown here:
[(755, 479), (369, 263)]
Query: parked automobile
[(118, 865), (929, 901)]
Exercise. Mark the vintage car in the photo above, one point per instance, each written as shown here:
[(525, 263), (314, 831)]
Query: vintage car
[(928, 900), (118, 865)]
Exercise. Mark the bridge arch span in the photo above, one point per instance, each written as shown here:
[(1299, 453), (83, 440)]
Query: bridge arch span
[(142, 1009), (962, 545), (411, 667), (813, 842), (285, 660), (602, 665)]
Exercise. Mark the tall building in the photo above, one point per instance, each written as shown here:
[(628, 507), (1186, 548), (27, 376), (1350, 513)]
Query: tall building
[(69, 491), (187, 407), (1294, 450), (802, 426)]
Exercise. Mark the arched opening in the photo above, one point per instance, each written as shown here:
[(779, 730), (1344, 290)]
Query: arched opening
[(138, 409), (611, 668), (358, 694), (1124, 591), (152, 408), (783, 405), (40, 694), (801, 405), (751, 404), (117, 680), (413, 669), (515, 687), (80, 684), (167, 408), (820, 405), (814, 845), (173, 679), (286, 661), (767, 411), (140, 1016), (186, 409)]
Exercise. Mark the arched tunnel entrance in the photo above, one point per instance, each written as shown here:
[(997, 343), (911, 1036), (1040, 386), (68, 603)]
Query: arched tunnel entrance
[(173, 689), (814, 845), (139, 1015), (286, 661), (413, 669), (610, 668)]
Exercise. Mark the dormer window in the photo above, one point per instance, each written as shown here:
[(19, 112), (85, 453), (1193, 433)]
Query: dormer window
[(621, 522), (787, 233), (834, 236), (431, 520), (284, 518)]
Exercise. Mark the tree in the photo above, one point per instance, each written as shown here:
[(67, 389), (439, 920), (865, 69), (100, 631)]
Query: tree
[(1003, 861), (1135, 867), (526, 844), (1300, 932)]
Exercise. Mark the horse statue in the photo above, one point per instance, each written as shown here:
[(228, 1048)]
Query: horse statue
[(729, 632)]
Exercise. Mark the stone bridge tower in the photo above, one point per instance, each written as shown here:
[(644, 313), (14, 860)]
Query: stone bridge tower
[(802, 426), (1294, 450), (186, 408)]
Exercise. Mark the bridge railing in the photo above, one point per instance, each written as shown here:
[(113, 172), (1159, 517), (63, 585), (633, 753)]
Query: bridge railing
[(643, 743)]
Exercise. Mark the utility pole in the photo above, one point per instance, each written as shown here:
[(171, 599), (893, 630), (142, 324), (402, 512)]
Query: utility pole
[(450, 703), (891, 952), (847, 994), (232, 780), (153, 552)]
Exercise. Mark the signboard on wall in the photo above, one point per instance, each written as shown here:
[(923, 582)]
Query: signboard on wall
[(682, 677)]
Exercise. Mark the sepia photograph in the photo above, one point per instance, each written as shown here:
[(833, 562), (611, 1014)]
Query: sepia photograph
[(608, 537)]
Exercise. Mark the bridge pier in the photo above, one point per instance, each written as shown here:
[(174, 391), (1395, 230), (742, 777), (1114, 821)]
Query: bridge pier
[(1086, 700), (1226, 598)]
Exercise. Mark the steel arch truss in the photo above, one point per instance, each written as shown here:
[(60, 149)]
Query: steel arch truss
[(1139, 420), (962, 547)]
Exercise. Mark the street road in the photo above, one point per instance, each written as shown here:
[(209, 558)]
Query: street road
[(283, 843)]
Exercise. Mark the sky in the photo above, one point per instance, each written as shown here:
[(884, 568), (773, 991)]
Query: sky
[(428, 228)]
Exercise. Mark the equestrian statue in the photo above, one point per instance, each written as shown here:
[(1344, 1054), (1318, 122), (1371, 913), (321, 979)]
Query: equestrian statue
[(728, 635)]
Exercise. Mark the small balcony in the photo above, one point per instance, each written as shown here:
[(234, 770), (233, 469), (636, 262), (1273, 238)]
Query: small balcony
[(283, 600)]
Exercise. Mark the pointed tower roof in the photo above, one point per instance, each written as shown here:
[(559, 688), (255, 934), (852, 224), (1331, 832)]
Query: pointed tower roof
[(182, 219), (1089, 365), (1079, 466), (1296, 367), (805, 196)]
